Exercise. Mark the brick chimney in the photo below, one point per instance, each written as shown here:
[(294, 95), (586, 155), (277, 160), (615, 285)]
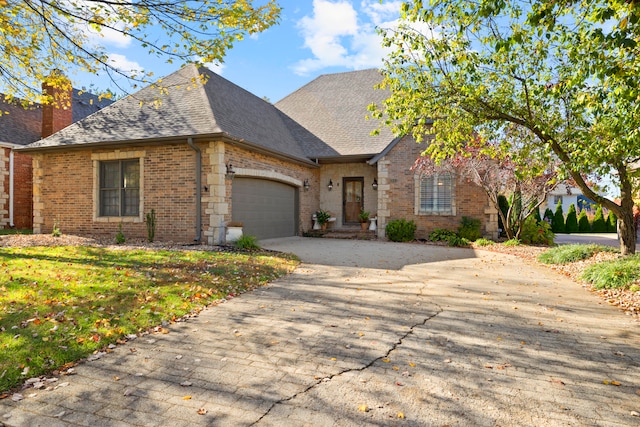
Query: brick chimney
[(56, 111)]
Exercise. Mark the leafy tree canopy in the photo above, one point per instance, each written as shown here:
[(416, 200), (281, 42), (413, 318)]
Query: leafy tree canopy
[(39, 36), (548, 80)]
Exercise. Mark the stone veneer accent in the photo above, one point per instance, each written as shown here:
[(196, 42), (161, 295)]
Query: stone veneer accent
[(4, 186), (216, 206)]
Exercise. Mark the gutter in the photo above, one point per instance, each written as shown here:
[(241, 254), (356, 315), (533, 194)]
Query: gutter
[(195, 148)]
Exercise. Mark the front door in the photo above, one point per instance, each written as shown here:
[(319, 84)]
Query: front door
[(352, 199)]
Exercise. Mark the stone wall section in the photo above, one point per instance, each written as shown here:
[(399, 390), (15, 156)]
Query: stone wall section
[(4, 187), (396, 191)]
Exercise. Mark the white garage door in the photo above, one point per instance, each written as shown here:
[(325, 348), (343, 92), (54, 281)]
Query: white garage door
[(266, 208)]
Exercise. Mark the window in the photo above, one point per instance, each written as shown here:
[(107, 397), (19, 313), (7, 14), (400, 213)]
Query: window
[(556, 200), (435, 194), (120, 188)]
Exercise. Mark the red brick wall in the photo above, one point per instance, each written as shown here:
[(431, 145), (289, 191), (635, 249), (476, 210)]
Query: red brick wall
[(470, 200), (22, 191), (169, 188), (4, 189)]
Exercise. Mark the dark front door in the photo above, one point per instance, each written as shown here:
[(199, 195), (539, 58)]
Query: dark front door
[(352, 199)]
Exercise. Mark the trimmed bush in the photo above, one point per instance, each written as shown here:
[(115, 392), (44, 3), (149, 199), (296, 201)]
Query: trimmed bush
[(247, 242), (565, 254), (536, 214), (571, 222), (484, 242), (583, 222), (469, 228), (548, 216), (456, 240), (557, 223), (512, 242), (598, 225), (441, 235), (620, 273), (612, 223), (536, 232), (401, 230)]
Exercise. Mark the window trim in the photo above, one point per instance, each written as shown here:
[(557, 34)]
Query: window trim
[(418, 180), (97, 159)]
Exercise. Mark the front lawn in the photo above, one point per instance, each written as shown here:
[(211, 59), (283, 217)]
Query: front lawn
[(60, 304)]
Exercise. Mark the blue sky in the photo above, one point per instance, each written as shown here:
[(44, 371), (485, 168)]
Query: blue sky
[(314, 37)]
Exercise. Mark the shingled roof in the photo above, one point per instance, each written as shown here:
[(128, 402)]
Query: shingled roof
[(334, 108), (22, 126), (324, 119)]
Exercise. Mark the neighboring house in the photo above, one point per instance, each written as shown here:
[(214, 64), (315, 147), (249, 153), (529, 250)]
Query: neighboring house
[(567, 195), (20, 126), (203, 155)]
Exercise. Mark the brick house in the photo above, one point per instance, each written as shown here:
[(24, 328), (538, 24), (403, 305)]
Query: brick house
[(202, 155), (19, 127)]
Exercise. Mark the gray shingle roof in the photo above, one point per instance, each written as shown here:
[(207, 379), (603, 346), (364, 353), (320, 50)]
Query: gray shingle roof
[(334, 108), (324, 119), (24, 126)]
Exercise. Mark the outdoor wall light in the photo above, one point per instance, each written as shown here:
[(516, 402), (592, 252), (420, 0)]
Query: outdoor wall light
[(230, 172), (306, 185), (330, 186), (375, 184)]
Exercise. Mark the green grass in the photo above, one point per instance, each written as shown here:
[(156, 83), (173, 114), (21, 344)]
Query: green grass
[(484, 242), (565, 254), (512, 242), (60, 304), (7, 231), (619, 273)]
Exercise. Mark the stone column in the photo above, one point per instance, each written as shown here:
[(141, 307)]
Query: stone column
[(216, 205), (38, 204), (4, 186), (383, 195)]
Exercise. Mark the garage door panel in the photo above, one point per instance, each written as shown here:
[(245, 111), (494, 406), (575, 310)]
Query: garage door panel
[(266, 208)]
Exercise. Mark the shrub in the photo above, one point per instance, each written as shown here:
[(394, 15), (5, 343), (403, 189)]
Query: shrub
[(557, 222), (151, 225), (598, 225), (536, 232), (503, 203), (583, 222), (120, 237), (247, 242), (571, 222), (458, 241), (612, 223), (56, 229), (536, 214), (484, 242), (512, 242), (565, 254), (401, 230), (470, 228), (441, 234), (548, 216), (620, 273)]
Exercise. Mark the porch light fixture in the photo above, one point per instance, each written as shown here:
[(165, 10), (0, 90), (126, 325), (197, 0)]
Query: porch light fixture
[(330, 186), (375, 184), (230, 172), (306, 185)]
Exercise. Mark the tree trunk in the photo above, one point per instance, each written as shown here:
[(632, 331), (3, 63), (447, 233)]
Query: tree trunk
[(627, 232)]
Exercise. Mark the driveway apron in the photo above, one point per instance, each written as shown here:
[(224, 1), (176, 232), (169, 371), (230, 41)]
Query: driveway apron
[(369, 333)]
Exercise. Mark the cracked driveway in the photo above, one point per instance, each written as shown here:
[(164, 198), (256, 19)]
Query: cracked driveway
[(370, 333)]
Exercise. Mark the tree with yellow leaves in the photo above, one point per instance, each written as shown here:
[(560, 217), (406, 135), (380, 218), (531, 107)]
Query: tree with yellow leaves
[(39, 36)]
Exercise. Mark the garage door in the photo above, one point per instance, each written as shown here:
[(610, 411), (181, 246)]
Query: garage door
[(266, 208)]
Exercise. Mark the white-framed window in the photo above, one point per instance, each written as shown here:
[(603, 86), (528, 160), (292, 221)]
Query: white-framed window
[(120, 188), (435, 194), (556, 200)]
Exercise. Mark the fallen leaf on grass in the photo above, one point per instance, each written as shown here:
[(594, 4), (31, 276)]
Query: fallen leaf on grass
[(363, 408), (186, 398), (400, 415), (202, 411), (386, 360), (413, 365), (557, 381)]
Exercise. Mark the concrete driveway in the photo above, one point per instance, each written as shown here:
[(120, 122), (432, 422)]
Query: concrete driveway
[(369, 333)]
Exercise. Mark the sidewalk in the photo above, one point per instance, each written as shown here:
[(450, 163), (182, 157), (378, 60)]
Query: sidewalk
[(369, 333)]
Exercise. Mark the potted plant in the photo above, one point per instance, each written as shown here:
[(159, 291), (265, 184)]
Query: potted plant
[(363, 217), (322, 217)]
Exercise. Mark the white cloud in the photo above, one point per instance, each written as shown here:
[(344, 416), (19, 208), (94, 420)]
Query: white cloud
[(108, 37), (124, 65), (338, 36)]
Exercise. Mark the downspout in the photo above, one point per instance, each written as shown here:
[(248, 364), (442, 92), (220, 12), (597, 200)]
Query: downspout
[(11, 179), (198, 189)]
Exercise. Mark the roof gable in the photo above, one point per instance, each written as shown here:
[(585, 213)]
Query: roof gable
[(334, 108)]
